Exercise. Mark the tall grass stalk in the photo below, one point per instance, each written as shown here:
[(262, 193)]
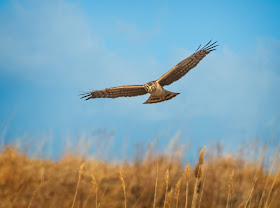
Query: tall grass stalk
[(95, 186), (155, 194), (177, 193), (230, 189), (266, 182), (271, 188), (37, 189), (99, 203), (156, 184), (197, 173), (17, 194), (79, 179), (201, 195), (187, 174), (123, 187), (196, 192), (255, 179), (166, 186), (169, 198)]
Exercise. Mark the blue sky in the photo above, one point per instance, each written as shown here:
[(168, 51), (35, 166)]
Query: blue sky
[(52, 50)]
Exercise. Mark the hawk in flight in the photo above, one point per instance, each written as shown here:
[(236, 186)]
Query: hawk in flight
[(155, 88)]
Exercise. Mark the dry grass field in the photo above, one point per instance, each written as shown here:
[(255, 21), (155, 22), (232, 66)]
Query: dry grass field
[(157, 180)]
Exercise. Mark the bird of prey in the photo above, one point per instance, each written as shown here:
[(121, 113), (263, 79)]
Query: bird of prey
[(155, 88)]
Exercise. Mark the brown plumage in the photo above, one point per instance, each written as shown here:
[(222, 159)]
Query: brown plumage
[(155, 88), (114, 92)]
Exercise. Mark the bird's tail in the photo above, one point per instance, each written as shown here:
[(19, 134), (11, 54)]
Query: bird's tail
[(165, 96)]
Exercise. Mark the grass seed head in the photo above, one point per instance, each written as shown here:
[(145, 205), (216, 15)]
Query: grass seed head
[(94, 183), (230, 183), (166, 179), (197, 170), (187, 172), (177, 190), (81, 171), (122, 180)]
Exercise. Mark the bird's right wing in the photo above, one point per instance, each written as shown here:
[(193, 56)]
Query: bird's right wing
[(114, 92), (186, 65)]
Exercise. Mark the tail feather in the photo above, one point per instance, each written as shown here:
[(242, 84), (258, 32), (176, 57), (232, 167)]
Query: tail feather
[(170, 95), (156, 99)]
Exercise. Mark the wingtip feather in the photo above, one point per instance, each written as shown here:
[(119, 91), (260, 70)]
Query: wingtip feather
[(209, 47), (86, 95), (206, 44), (198, 48)]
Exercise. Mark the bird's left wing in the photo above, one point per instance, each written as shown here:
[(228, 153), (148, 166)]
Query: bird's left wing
[(186, 65), (114, 92)]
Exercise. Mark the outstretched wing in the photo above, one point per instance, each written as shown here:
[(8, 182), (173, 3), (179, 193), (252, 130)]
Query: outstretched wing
[(186, 65), (114, 92)]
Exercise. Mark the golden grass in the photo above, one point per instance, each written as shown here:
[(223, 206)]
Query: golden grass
[(198, 173), (166, 187), (200, 199), (155, 193), (77, 182), (79, 179), (94, 183), (268, 200), (230, 189), (123, 188), (177, 192), (187, 177)]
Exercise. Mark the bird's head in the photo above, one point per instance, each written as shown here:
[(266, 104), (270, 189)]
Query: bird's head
[(150, 87)]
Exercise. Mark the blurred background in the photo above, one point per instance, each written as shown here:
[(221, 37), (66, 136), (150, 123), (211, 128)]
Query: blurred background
[(51, 51)]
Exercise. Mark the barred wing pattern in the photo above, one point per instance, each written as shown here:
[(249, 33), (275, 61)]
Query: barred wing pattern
[(114, 92), (186, 65)]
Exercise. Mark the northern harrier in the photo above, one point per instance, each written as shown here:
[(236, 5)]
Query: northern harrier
[(155, 88)]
